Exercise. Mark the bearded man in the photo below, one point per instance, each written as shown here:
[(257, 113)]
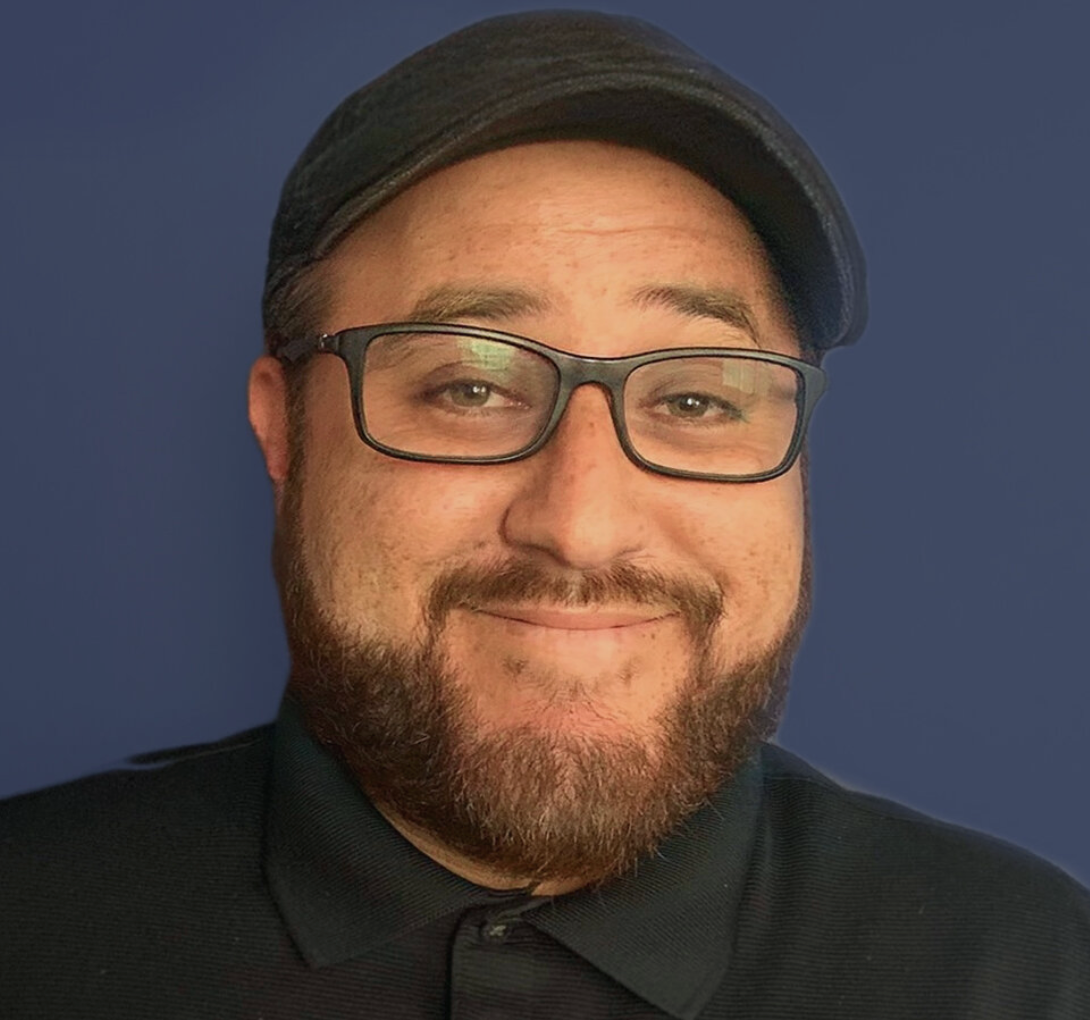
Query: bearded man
[(545, 312)]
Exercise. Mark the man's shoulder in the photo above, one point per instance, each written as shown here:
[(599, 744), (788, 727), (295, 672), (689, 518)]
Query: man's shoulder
[(879, 894), (215, 782), (822, 817), (921, 892), (148, 872)]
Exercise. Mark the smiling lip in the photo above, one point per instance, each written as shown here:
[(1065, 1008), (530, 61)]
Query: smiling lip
[(568, 619)]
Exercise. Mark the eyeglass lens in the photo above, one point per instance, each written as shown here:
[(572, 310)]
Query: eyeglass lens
[(446, 395)]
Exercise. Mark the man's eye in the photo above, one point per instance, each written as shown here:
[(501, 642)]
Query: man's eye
[(700, 406), (467, 394), (473, 394)]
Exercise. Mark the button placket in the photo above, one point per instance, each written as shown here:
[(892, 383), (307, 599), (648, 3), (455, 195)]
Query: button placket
[(493, 965)]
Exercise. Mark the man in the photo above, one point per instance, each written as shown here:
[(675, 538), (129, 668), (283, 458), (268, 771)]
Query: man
[(545, 310)]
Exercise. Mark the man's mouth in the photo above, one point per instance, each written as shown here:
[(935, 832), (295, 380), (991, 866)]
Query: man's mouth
[(577, 619)]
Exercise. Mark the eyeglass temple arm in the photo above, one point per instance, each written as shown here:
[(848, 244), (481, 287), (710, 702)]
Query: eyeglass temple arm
[(296, 350)]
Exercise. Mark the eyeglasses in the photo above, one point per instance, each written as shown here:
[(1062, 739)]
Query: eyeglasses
[(462, 395)]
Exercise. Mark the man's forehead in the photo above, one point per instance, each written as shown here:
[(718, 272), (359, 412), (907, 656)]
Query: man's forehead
[(729, 278), (557, 169)]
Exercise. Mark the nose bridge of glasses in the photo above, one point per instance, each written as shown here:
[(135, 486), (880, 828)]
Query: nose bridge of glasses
[(605, 374), (580, 370), (602, 374)]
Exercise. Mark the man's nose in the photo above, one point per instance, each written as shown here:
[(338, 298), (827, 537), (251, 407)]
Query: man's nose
[(579, 498)]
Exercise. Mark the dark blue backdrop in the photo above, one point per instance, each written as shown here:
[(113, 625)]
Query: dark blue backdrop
[(144, 146)]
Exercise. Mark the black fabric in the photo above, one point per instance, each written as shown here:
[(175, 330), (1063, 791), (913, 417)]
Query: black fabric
[(251, 878), (561, 74)]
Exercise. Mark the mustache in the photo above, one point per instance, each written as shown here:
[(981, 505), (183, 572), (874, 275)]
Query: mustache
[(621, 585)]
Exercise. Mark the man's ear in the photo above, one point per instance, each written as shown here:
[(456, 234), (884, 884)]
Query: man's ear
[(268, 404)]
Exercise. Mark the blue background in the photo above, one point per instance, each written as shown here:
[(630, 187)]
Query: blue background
[(143, 149)]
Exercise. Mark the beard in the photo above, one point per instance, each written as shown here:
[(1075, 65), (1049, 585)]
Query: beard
[(529, 804)]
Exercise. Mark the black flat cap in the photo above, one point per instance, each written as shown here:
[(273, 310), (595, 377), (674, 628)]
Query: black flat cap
[(578, 74)]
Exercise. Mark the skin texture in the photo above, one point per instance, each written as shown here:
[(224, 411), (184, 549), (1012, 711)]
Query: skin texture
[(522, 756)]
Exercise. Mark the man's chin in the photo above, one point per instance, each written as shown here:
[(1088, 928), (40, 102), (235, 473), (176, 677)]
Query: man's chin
[(552, 783), (535, 681)]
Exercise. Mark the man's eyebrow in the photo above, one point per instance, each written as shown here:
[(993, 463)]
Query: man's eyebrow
[(449, 303), (702, 302)]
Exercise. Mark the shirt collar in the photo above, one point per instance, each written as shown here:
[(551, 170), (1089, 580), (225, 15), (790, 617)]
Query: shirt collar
[(346, 881)]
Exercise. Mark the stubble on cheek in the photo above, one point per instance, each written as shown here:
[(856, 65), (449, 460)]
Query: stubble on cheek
[(765, 578), (354, 548)]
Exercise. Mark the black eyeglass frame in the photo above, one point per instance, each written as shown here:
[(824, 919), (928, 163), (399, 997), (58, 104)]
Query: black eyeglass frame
[(573, 370)]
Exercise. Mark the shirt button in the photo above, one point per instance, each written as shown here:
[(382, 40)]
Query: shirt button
[(494, 932)]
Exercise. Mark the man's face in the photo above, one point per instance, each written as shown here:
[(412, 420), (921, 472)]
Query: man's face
[(556, 751)]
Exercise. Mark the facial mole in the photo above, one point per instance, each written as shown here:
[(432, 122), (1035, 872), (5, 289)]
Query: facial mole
[(515, 667)]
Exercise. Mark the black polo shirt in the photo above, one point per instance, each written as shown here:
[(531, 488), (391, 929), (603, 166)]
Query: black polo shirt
[(251, 878)]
